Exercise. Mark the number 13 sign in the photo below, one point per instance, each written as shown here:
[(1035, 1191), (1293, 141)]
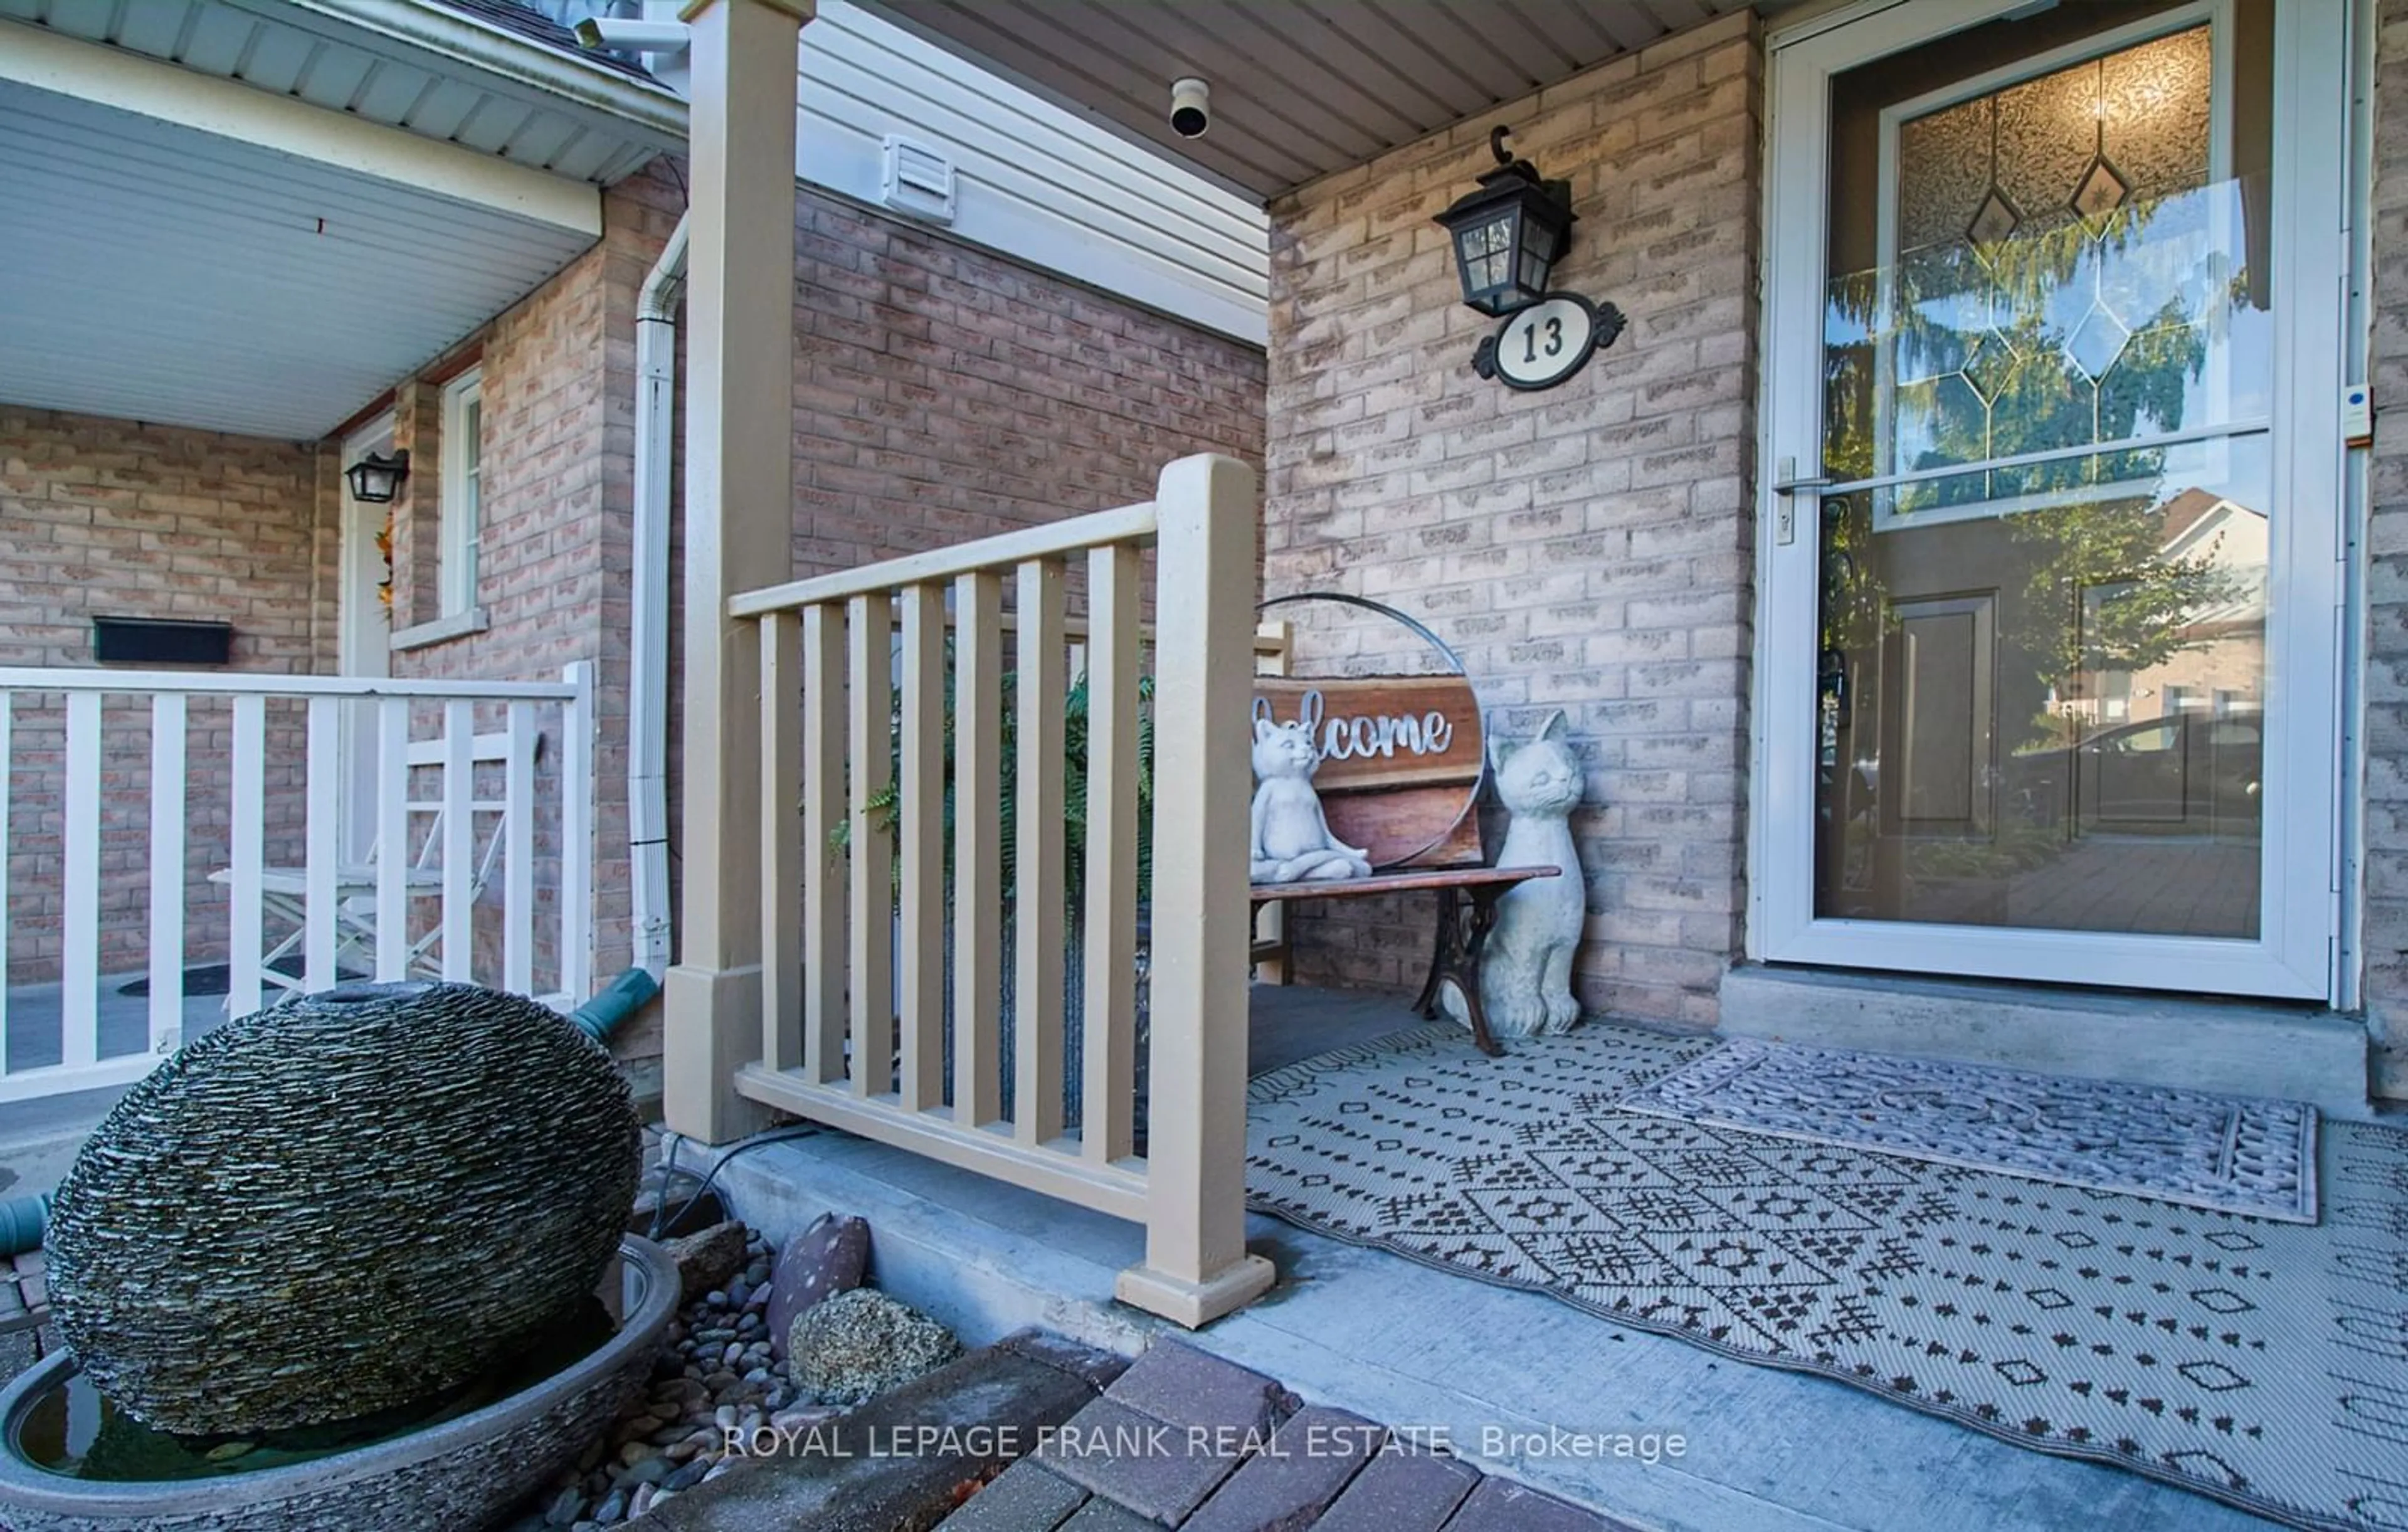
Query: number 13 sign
[(1547, 342)]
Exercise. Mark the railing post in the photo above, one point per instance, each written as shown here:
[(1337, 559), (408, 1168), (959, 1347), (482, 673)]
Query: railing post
[(739, 534), (1197, 1267)]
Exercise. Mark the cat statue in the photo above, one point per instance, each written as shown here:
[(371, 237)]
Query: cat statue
[(1526, 970), (1291, 836)]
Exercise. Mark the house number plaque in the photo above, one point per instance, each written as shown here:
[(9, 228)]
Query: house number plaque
[(1549, 341)]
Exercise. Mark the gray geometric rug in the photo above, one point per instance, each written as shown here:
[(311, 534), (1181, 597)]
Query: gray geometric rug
[(2245, 1154), (2262, 1363)]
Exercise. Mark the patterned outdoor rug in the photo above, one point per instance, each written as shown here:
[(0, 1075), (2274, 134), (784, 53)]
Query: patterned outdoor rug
[(2262, 1363), (2244, 1154)]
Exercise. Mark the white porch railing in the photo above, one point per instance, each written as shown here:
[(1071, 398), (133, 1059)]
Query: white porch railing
[(177, 790), (853, 997)]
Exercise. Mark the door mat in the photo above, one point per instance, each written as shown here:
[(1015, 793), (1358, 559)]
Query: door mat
[(2243, 1154), (2259, 1362)]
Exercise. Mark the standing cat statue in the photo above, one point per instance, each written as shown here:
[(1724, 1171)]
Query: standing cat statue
[(1291, 836), (1525, 971)]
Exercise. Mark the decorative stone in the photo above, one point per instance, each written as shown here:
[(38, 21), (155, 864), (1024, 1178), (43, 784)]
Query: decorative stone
[(342, 1205), (831, 1256), (861, 1343), (707, 1261)]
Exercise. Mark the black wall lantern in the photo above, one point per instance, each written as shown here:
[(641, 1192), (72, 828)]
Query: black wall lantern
[(375, 479), (1507, 238), (1508, 234)]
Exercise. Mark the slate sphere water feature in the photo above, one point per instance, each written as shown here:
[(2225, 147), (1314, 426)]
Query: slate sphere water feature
[(466, 1464), (340, 1206)]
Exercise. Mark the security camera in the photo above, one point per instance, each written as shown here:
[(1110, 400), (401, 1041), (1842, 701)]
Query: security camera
[(1190, 108)]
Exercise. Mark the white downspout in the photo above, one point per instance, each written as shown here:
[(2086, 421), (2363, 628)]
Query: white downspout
[(648, 688)]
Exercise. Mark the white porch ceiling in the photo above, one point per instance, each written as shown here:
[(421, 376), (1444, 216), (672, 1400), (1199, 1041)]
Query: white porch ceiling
[(1300, 88), (253, 215), (158, 272), (427, 71)]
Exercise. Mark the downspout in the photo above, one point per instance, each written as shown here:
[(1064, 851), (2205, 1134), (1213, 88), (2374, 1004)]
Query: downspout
[(648, 690)]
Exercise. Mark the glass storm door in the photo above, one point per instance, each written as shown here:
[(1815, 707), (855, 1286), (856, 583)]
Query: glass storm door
[(2049, 574)]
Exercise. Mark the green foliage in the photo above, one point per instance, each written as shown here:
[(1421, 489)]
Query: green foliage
[(887, 805)]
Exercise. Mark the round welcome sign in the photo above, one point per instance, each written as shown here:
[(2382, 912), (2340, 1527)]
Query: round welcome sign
[(1401, 757), (1546, 343)]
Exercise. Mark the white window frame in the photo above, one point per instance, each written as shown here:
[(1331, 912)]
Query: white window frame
[(2294, 955), (460, 515)]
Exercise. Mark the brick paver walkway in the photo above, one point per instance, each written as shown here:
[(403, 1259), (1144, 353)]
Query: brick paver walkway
[(1184, 1439), (26, 1334)]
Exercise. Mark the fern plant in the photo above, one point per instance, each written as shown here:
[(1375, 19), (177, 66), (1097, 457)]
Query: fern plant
[(886, 805)]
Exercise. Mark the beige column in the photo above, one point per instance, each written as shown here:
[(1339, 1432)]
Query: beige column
[(738, 533)]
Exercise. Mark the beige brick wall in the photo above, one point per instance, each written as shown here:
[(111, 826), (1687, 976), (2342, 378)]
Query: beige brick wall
[(123, 519), (1587, 548), (2387, 672)]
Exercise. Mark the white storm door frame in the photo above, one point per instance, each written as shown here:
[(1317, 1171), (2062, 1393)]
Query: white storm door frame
[(2294, 957)]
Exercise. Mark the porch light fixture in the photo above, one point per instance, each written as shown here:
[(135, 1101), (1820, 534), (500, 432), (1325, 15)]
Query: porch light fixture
[(375, 478), (1507, 237), (1508, 234)]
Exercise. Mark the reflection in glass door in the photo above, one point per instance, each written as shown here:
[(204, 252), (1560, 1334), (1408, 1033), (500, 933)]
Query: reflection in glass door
[(2049, 501)]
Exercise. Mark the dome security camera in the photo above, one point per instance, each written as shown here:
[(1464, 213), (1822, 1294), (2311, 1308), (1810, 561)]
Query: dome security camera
[(1191, 107)]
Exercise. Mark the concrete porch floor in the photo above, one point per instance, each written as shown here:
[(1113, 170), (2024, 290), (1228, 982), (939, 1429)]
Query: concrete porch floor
[(1493, 1369)]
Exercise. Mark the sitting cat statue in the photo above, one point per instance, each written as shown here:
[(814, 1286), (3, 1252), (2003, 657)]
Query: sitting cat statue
[(1526, 970), (1291, 837)]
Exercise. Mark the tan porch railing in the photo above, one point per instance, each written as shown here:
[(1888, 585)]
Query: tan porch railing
[(855, 960)]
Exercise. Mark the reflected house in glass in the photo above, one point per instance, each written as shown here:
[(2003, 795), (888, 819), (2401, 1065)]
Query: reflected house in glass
[(2047, 419)]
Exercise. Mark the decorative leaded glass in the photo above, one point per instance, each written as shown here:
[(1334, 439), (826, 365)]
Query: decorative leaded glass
[(2048, 240)]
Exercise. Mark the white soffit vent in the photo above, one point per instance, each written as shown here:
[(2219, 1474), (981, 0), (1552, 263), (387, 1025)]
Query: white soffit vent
[(917, 180)]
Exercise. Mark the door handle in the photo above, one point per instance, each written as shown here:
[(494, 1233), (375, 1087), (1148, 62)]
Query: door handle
[(1788, 484)]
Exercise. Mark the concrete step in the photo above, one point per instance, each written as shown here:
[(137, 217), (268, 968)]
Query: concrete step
[(2234, 1047)]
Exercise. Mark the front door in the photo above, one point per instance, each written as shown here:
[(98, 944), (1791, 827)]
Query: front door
[(2049, 637)]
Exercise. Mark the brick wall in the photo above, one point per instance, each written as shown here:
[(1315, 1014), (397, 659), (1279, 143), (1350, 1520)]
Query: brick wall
[(1587, 548), (123, 519), (558, 373), (2386, 927), (942, 393)]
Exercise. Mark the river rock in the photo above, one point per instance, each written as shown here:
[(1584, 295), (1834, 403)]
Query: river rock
[(829, 1257), (341, 1205), (707, 1260), (861, 1343)]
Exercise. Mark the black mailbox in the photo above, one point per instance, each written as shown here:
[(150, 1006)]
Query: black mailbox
[(159, 640)]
